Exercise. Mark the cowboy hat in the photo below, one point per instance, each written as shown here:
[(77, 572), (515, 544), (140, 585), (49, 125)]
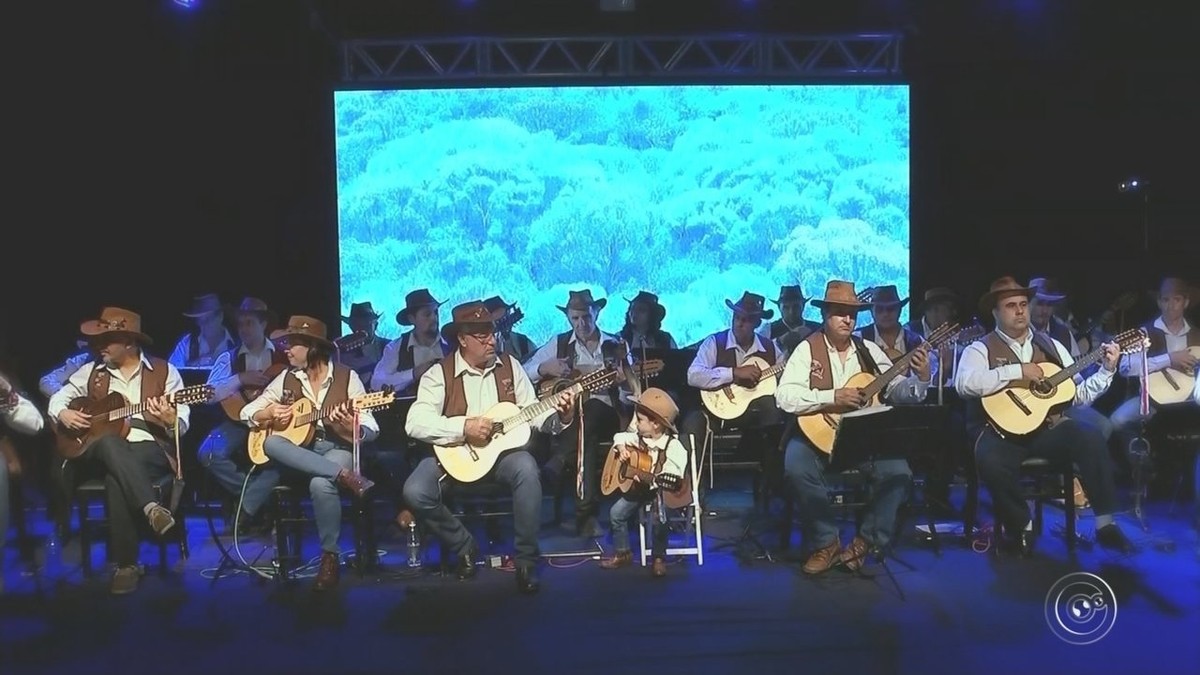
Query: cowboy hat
[(495, 303), (581, 300), (648, 298), (841, 294), (361, 310), (1047, 289), (203, 305), (115, 321), (414, 301), (1003, 287), (257, 308), (750, 304), (306, 327), (473, 315), (939, 294), (790, 294), (887, 296), (659, 405)]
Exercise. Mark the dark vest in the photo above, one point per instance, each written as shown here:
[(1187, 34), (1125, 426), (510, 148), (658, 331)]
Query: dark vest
[(454, 402), (154, 383), (564, 350), (194, 347), (519, 346), (912, 339), (659, 339), (339, 392), (727, 354), (1000, 354), (779, 329), (1158, 339), (1059, 330), (821, 374), (406, 362), (237, 362)]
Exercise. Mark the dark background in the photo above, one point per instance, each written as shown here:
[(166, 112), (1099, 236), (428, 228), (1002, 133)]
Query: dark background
[(159, 154)]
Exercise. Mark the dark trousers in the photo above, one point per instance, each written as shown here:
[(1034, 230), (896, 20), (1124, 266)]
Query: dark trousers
[(999, 462), (600, 423), (517, 469), (130, 471), (760, 424)]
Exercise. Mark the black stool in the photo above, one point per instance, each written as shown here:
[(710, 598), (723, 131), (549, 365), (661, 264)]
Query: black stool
[(92, 529), (1045, 482), (289, 522)]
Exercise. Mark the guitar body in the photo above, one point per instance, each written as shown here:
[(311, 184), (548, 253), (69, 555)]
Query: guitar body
[(733, 400), (820, 428), (233, 405), (72, 444), (1171, 386), (301, 435), (1020, 410), (466, 463), (618, 475)]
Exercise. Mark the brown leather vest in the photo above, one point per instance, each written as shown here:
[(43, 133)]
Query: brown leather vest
[(454, 402), (1000, 354), (339, 392), (727, 354), (154, 383), (821, 374), (912, 339)]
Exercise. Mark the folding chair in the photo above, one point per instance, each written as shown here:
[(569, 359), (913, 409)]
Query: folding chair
[(691, 515)]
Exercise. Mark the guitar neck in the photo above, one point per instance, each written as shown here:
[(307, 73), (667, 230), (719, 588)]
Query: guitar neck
[(533, 411), (772, 371), (318, 415), (1077, 367)]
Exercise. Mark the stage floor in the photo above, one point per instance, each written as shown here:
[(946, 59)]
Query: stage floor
[(963, 612)]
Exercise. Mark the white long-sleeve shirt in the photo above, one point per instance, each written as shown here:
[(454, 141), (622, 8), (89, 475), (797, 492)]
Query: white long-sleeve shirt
[(22, 418), (704, 373), (54, 380), (586, 360), (387, 369), (976, 378), (676, 461), (225, 382), (274, 394), (1131, 365), (426, 423), (205, 357), (130, 388), (795, 395)]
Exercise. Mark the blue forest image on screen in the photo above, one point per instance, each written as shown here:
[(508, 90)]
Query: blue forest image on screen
[(696, 193)]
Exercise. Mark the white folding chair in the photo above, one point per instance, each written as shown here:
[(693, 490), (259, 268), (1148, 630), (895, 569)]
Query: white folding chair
[(690, 514)]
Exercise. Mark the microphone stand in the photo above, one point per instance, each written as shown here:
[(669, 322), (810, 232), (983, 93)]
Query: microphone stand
[(642, 366)]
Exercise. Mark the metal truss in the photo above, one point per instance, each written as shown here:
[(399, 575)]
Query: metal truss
[(368, 62)]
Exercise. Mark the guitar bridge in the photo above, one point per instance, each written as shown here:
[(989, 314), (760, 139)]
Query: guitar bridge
[(1017, 402), (1170, 380)]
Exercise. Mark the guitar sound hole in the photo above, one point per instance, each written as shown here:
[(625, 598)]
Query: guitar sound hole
[(1042, 387)]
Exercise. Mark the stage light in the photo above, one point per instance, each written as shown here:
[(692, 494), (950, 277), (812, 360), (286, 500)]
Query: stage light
[(187, 4), (1132, 185)]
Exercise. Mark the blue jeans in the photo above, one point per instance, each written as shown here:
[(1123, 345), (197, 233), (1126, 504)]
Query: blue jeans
[(804, 471), (323, 463), (215, 453), (618, 519)]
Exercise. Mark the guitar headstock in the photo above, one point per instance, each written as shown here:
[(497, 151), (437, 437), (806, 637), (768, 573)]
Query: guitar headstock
[(970, 333), (352, 341), (668, 481), (597, 380), (1132, 341), (649, 367), (865, 294), (375, 399), (506, 322), (195, 394)]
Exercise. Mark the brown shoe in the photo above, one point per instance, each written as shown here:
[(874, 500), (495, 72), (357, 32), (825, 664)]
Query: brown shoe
[(125, 580), (354, 482), (160, 519), (823, 559), (619, 559), (659, 568), (404, 518), (327, 576), (854, 554)]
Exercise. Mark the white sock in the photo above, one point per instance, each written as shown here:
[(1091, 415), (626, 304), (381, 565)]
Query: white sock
[(1104, 520), (1029, 526)]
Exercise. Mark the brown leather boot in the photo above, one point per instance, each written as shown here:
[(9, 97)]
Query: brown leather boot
[(618, 559), (354, 482), (327, 576), (854, 554), (659, 568), (821, 560), (404, 518)]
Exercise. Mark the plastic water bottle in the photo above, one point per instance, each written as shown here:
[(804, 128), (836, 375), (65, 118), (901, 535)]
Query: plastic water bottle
[(414, 546)]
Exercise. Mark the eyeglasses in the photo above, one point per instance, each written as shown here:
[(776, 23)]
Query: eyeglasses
[(483, 338)]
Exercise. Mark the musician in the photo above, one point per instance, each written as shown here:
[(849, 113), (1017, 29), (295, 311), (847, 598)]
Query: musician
[(362, 360), (130, 465), (643, 324), (894, 339), (655, 415), (1010, 354), (451, 402), (240, 373), (721, 360), (201, 347), (54, 380), (791, 327), (939, 306), (814, 381), (509, 341), (17, 414), (329, 461), (1043, 308), (581, 350), (406, 358)]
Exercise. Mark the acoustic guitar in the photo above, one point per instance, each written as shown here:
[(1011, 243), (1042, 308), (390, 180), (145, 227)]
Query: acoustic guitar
[(1172, 385), (820, 427), (638, 473), (641, 370), (505, 323), (468, 463), (733, 400), (233, 404), (110, 416), (1023, 406), (305, 416)]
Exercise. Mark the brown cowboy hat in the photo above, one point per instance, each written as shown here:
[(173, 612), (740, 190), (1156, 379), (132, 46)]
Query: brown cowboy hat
[(648, 298), (203, 305), (887, 296), (841, 294), (790, 294), (659, 405), (414, 301), (1047, 289), (305, 327), (580, 300), (1003, 287), (750, 304), (939, 294), (496, 303), (116, 322), (361, 310), (470, 316)]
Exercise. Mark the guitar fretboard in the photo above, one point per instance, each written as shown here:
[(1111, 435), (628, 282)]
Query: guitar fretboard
[(1127, 341), (939, 336), (772, 371), (542, 406)]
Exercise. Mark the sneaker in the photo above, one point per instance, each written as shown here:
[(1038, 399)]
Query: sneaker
[(125, 580), (160, 519)]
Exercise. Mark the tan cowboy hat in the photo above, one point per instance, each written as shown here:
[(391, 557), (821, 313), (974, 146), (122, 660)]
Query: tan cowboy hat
[(580, 300), (115, 321), (841, 294), (361, 310), (659, 405), (750, 304), (887, 296), (414, 301), (470, 316), (203, 305), (648, 298), (1047, 289), (790, 294), (1003, 287), (306, 327)]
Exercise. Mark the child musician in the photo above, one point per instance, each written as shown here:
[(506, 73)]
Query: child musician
[(655, 422)]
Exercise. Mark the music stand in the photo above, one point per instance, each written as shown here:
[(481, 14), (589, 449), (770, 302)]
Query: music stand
[(881, 433)]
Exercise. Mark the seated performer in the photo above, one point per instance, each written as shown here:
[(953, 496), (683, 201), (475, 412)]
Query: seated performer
[(18, 415), (894, 339), (1010, 354), (54, 380), (939, 306), (406, 358), (451, 402), (201, 347), (329, 461), (814, 381), (509, 341), (655, 415), (240, 374), (791, 327), (581, 350), (362, 360), (131, 465), (721, 360), (1043, 307), (643, 324)]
